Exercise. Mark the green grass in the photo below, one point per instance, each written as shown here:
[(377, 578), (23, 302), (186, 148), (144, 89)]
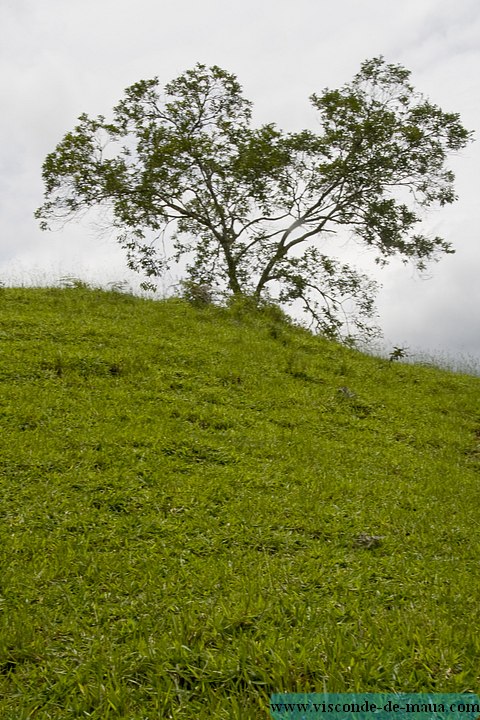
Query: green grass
[(182, 491)]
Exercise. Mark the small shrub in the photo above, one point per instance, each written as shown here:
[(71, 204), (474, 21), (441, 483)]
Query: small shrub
[(398, 353), (198, 294), (250, 305)]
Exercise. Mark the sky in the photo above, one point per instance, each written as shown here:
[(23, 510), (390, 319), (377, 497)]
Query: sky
[(59, 59)]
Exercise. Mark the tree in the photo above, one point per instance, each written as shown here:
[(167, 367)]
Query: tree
[(250, 207)]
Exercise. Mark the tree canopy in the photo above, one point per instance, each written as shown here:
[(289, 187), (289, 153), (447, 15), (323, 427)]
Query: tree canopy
[(250, 208)]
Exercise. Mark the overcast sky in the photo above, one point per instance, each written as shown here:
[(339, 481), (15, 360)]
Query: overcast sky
[(59, 59)]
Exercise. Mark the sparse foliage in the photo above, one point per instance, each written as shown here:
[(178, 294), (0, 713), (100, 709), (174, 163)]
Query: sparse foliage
[(250, 207), (398, 353)]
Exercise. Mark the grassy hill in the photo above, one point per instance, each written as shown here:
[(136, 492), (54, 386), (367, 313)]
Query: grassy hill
[(190, 504)]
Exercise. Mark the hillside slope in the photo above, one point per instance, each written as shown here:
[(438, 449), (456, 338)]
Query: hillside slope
[(203, 506)]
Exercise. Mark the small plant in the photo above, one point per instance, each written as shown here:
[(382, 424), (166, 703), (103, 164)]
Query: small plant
[(198, 294), (70, 281), (250, 305), (398, 353)]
